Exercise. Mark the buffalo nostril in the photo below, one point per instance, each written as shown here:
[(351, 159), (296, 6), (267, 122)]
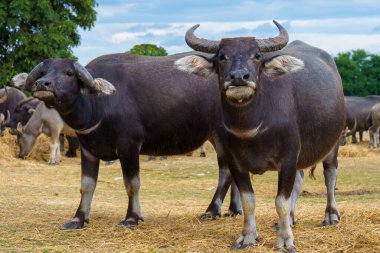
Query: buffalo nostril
[(246, 76), (232, 77), (47, 83)]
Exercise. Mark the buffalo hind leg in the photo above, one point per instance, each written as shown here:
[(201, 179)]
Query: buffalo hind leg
[(330, 171), (73, 146), (90, 171), (224, 181), (131, 175)]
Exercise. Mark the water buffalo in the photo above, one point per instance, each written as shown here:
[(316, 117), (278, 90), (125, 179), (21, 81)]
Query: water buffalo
[(357, 110), (24, 111), (43, 120), (374, 123), (9, 97), (283, 109), (123, 105)]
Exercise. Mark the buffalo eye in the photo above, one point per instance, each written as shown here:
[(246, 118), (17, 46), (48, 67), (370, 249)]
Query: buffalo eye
[(257, 56), (69, 73)]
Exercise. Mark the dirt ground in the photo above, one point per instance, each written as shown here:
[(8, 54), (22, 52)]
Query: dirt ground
[(36, 200)]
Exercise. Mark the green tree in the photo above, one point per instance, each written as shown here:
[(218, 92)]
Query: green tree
[(360, 72), (31, 31), (148, 50)]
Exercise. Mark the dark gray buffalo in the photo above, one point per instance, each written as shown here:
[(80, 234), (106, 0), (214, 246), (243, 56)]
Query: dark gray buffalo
[(374, 123), (9, 97), (282, 110), (121, 106), (357, 110)]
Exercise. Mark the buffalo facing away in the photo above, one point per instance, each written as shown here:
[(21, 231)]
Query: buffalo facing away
[(357, 112), (9, 98), (283, 109), (123, 105)]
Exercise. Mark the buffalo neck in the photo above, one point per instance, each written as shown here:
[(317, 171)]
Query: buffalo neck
[(244, 117), (82, 114)]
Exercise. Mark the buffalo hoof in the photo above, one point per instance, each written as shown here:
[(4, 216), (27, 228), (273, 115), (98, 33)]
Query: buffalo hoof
[(109, 163), (245, 241), (291, 250), (72, 225), (330, 222), (53, 163), (232, 213), (331, 217), (151, 158), (202, 154), (128, 223), (210, 215), (71, 154)]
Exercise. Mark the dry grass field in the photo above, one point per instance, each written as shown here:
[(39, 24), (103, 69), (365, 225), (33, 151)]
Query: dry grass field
[(36, 200)]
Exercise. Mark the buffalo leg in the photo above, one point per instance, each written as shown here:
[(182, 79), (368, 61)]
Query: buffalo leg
[(202, 151), (235, 202), (131, 175), (249, 234), (286, 180), (55, 154), (361, 136), (73, 146), (330, 171), (90, 170), (224, 181), (294, 196), (61, 142), (354, 140)]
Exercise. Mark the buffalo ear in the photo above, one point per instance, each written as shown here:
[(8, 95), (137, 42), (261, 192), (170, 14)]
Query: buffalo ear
[(19, 128), (195, 64), (31, 110), (19, 80), (100, 87), (282, 64)]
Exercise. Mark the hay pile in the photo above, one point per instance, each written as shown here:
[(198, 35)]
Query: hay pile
[(9, 148), (353, 150)]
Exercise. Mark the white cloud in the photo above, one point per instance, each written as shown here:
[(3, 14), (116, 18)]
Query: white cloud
[(333, 35), (112, 10), (335, 43)]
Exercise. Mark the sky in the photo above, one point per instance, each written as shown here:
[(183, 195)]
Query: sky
[(333, 25)]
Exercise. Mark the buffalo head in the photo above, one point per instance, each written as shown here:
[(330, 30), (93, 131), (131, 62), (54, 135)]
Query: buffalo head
[(58, 82), (239, 62)]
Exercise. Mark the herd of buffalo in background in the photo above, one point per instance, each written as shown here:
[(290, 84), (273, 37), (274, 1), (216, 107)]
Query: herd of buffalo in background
[(124, 105)]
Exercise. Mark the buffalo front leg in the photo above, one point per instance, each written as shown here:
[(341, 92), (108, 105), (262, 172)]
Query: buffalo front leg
[(90, 171), (131, 175), (248, 236), (287, 175), (330, 171), (297, 188)]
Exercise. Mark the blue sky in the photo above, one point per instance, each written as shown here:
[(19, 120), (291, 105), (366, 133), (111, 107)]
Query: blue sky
[(333, 25)]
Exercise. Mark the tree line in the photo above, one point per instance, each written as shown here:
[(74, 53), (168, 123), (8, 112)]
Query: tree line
[(31, 31)]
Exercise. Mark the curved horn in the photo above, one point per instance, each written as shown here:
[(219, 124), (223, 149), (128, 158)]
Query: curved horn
[(83, 74), (33, 75), (352, 131), (276, 43), (5, 96), (201, 45)]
